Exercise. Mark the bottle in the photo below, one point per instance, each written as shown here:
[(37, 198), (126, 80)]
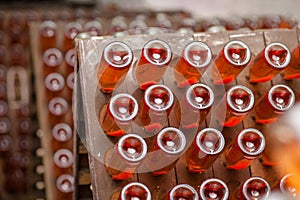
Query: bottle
[(3, 108), (287, 186), (232, 59), (115, 62), (5, 144), (168, 145), (94, 27), (135, 190), (279, 99), (63, 158), (194, 106), (62, 132), (52, 59), (155, 108), (54, 83), (47, 34), (205, 149), (213, 188), (58, 108), (116, 116), (153, 63), (5, 125), (253, 188), (195, 59), (246, 147), (70, 85), (118, 24), (126, 156), (70, 59), (70, 32), (65, 183), (182, 191), (269, 62), (293, 69), (235, 105)]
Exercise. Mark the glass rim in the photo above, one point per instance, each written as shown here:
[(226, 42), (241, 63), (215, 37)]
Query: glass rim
[(137, 184), (180, 134), (281, 184), (149, 89), (244, 45), (66, 177), (164, 44), (211, 93), (261, 146), (219, 134), (288, 56), (54, 76), (143, 143), (202, 44), (244, 189), (291, 103), (62, 126), (230, 103), (202, 195), (114, 98), (187, 186), (61, 152), (125, 46), (53, 51)]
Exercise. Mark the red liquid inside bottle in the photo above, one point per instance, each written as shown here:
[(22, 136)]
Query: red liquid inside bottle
[(271, 61), (116, 116), (236, 104), (233, 58), (255, 188), (114, 65), (213, 189), (287, 185), (293, 69), (279, 99), (206, 147), (182, 191), (247, 146), (135, 190), (194, 61), (155, 109), (127, 155), (47, 33), (155, 58)]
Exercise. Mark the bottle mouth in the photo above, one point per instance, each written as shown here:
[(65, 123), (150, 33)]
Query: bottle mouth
[(94, 27), (210, 141), (277, 55), (118, 54), (200, 96), (58, 106), (65, 183), (123, 107), (132, 147), (183, 191), (237, 53), (72, 30), (48, 28), (255, 186), (286, 185), (62, 132), (171, 140), (217, 186), (281, 97), (197, 54), (136, 186), (70, 57), (251, 141), (63, 158), (157, 52), (240, 98), (159, 97), (52, 57), (54, 82)]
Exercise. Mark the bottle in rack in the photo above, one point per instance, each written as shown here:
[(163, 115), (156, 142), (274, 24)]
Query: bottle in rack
[(293, 69), (213, 188), (135, 190), (52, 59), (47, 35), (182, 191)]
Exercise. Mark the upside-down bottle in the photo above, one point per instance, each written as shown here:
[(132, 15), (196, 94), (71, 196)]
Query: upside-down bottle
[(182, 191), (115, 62), (232, 59), (293, 69), (244, 149), (47, 34), (126, 156), (54, 83), (279, 99), (153, 63), (234, 106), (269, 62), (213, 188), (205, 149), (70, 32), (116, 116), (155, 107), (52, 59), (193, 62), (135, 190), (287, 186)]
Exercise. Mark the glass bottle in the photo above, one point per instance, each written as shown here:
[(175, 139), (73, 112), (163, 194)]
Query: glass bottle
[(70, 32), (47, 35), (135, 190), (182, 191), (52, 59), (293, 69), (54, 83), (213, 188)]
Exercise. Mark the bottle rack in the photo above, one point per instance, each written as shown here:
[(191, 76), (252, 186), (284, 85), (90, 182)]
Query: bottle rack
[(89, 101)]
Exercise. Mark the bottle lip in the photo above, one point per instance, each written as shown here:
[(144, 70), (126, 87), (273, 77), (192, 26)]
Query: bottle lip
[(148, 91), (65, 127), (288, 56), (230, 103), (55, 76), (70, 80), (143, 143), (135, 109), (291, 103), (261, 147), (61, 179), (48, 23), (164, 44), (58, 100), (133, 184), (211, 94), (198, 43), (68, 57), (180, 134), (55, 52), (75, 25), (219, 134), (281, 183), (244, 45), (125, 46), (202, 195), (244, 188), (68, 154), (187, 186)]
